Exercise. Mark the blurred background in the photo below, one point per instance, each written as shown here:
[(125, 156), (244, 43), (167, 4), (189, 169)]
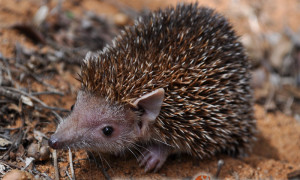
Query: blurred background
[(42, 44)]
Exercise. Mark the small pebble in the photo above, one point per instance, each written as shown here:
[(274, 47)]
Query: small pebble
[(40, 154), (12, 155), (120, 19), (33, 151), (44, 153)]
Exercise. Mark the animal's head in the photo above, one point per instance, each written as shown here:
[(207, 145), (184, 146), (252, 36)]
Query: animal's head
[(97, 124)]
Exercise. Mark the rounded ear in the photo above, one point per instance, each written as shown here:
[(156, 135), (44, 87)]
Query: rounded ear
[(151, 104)]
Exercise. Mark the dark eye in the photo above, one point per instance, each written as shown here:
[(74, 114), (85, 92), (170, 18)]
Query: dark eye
[(72, 107), (107, 130)]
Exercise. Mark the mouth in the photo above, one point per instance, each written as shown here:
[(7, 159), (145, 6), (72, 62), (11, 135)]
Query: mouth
[(56, 143)]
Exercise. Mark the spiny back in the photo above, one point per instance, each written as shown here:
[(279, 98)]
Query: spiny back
[(194, 55), (157, 50)]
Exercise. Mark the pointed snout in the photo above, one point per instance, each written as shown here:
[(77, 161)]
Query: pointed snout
[(54, 142)]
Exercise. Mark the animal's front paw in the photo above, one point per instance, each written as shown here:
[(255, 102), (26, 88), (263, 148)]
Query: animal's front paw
[(153, 158)]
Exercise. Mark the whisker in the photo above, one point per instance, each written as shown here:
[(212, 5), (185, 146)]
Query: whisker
[(141, 147), (138, 150), (100, 158), (105, 162), (132, 153), (89, 153), (135, 144), (163, 142)]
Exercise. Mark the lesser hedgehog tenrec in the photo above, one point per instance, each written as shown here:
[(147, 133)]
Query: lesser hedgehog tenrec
[(177, 81)]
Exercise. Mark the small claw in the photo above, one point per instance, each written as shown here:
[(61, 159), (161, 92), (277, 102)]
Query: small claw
[(158, 166), (141, 157), (145, 160), (151, 164), (154, 158)]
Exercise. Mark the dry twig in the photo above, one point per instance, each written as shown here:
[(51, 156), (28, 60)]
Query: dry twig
[(10, 164), (105, 174), (55, 165), (220, 165), (7, 68), (124, 8), (71, 165), (47, 93), (37, 100)]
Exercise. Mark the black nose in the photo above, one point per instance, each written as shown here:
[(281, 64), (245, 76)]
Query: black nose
[(53, 142)]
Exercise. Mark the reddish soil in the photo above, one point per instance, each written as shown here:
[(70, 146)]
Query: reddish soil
[(277, 149)]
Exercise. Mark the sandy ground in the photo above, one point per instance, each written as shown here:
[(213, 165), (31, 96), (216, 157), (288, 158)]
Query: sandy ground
[(277, 149)]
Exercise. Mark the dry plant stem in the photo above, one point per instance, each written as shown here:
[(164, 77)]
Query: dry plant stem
[(14, 145), (7, 68), (9, 94), (124, 8), (39, 80), (269, 99), (37, 100), (46, 176), (85, 159), (35, 171), (4, 136), (47, 93), (55, 165), (14, 96), (288, 105), (105, 174), (71, 165), (8, 129), (68, 175), (69, 52), (10, 164), (220, 165), (100, 165), (17, 141), (294, 175), (34, 76), (59, 118)]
